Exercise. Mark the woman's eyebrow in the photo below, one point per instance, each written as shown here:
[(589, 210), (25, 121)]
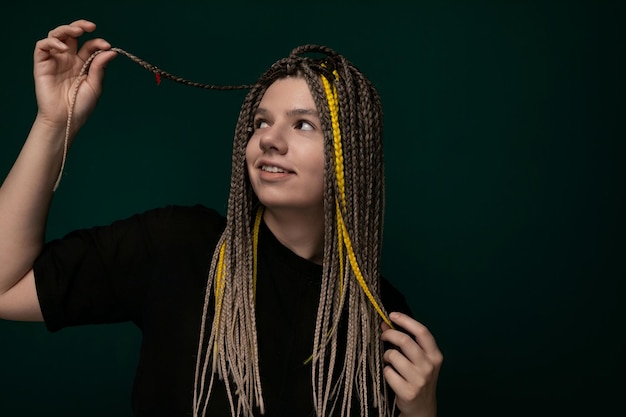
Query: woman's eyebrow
[(293, 112), (301, 112), (261, 111)]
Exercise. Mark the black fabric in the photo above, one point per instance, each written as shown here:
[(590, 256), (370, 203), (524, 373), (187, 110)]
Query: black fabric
[(151, 269)]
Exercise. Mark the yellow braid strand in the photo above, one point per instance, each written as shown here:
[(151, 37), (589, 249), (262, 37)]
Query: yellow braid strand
[(255, 245), (220, 285), (220, 282), (331, 96), (340, 249), (357, 271)]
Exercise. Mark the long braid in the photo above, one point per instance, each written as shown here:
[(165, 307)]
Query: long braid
[(375, 198)]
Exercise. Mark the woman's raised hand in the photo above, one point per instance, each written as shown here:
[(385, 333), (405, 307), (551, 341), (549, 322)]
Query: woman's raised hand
[(57, 66)]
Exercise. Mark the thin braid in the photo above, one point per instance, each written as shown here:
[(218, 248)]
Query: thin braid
[(332, 268), (351, 353), (70, 114), (152, 68), (201, 367), (375, 198), (156, 70)]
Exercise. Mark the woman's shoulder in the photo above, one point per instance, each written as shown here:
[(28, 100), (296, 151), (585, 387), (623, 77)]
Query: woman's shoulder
[(183, 216), (171, 225)]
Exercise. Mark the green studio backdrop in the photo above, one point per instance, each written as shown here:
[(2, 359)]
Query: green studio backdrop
[(504, 164)]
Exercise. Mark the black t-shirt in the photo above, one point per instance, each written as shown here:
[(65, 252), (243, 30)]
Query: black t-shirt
[(152, 269)]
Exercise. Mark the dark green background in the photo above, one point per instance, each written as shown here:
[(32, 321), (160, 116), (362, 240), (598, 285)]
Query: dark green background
[(504, 152)]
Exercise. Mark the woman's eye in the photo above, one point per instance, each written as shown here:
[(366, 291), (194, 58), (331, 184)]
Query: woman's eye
[(304, 125), (260, 124)]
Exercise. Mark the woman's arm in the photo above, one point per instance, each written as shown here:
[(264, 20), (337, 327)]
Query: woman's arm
[(27, 191)]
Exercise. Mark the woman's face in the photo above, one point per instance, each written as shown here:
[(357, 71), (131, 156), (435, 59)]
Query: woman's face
[(285, 155)]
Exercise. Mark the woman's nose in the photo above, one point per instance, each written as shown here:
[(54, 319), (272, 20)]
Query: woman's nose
[(273, 138)]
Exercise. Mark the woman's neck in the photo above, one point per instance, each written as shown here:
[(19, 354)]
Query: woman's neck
[(301, 231)]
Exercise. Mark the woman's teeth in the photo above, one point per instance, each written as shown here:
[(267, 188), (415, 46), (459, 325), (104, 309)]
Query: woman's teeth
[(272, 169)]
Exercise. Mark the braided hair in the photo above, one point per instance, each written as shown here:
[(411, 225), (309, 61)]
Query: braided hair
[(351, 117)]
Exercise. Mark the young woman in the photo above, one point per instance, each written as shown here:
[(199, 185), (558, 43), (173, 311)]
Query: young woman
[(277, 308)]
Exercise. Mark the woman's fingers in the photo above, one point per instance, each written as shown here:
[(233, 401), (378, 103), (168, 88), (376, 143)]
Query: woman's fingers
[(420, 333), (73, 30)]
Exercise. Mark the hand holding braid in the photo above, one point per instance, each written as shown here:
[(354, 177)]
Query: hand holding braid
[(59, 83), (83, 75)]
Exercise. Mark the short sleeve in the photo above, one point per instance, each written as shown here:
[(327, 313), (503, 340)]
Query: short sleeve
[(101, 274)]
